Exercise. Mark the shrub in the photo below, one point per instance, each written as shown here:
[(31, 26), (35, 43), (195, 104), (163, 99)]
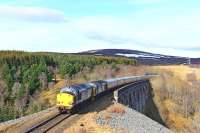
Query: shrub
[(116, 108)]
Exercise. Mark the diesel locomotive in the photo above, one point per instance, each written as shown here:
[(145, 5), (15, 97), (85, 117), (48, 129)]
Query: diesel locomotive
[(72, 96)]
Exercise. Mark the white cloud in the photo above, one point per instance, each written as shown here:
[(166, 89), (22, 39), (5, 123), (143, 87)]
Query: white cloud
[(31, 14), (63, 37), (166, 32)]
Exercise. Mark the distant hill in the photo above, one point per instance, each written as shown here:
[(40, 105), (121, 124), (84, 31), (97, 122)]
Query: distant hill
[(143, 57)]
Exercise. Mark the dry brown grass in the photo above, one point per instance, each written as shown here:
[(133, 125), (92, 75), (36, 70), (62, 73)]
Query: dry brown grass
[(107, 116), (181, 71), (87, 124), (177, 96)]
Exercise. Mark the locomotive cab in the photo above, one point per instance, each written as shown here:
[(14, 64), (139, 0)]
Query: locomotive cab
[(65, 100)]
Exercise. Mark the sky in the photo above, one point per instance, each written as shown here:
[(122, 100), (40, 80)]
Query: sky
[(169, 27)]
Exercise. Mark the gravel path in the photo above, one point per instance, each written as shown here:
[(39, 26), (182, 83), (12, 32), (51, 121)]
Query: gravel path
[(132, 121)]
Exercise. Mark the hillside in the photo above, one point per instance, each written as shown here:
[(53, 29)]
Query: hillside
[(24, 75), (143, 57), (176, 91)]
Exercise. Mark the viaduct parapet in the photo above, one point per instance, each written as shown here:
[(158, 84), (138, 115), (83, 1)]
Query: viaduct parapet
[(135, 95), (139, 97)]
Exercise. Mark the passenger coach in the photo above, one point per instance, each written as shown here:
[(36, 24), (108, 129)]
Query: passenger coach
[(72, 96)]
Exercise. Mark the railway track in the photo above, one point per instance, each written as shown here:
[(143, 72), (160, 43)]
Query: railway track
[(59, 120), (48, 124)]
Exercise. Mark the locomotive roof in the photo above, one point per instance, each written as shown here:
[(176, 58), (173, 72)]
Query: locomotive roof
[(69, 90), (82, 87), (74, 89)]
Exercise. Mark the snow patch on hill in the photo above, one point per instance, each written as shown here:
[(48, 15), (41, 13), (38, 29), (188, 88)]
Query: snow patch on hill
[(139, 55)]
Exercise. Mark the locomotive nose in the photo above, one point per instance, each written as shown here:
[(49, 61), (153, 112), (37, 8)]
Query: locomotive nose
[(64, 100)]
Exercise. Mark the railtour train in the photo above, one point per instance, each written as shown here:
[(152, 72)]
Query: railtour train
[(72, 96)]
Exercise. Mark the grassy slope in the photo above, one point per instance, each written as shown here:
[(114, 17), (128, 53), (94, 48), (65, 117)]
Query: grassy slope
[(169, 91), (92, 126), (177, 97), (181, 71)]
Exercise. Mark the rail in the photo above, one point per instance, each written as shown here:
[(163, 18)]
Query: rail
[(48, 124)]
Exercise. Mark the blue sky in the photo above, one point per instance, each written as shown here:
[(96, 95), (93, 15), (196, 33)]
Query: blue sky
[(159, 26)]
